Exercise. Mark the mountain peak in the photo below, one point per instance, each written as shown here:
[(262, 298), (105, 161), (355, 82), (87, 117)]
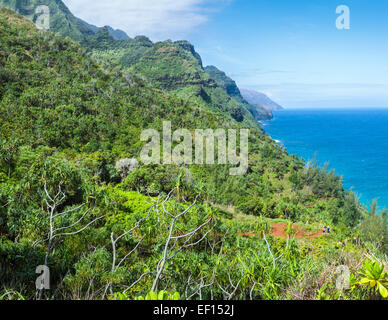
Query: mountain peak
[(260, 99), (116, 34), (62, 20), (224, 81), (230, 86)]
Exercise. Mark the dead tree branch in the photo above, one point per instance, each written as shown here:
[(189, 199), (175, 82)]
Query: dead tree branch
[(171, 247)]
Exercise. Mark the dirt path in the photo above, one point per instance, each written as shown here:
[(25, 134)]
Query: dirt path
[(278, 232)]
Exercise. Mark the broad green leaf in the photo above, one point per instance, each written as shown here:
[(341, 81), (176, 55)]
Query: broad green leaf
[(176, 296), (364, 281), (163, 295), (383, 290), (151, 296)]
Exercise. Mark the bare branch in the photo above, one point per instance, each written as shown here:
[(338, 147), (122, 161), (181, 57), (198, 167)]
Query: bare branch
[(52, 203), (132, 251), (137, 281), (75, 223), (274, 259), (69, 211), (79, 231), (114, 241), (169, 251), (192, 232)]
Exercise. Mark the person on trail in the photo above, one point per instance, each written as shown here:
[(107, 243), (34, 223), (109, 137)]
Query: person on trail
[(324, 230), (328, 230)]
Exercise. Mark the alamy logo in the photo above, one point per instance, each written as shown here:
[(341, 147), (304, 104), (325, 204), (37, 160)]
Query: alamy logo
[(43, 281), (43, 17), (187, 145), (343, 21), (343, 279)]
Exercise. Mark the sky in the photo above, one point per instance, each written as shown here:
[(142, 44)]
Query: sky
[(290, 50)]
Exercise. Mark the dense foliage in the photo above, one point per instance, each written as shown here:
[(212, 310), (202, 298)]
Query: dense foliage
[(67, 119)]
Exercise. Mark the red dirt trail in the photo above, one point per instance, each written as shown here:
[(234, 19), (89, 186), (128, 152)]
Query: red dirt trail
[(279, 228)]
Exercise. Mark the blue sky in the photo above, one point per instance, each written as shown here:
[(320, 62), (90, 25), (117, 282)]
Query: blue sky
[(290, 50)]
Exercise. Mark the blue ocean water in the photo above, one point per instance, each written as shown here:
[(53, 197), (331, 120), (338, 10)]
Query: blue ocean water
[(353, 142)]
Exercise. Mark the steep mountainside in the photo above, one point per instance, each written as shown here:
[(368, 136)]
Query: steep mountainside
[(260, 100), (62, 20), (76, 104), (174, 67), (171, 66), (231, 88)]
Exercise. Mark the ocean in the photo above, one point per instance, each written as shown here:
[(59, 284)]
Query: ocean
[(353, 142)]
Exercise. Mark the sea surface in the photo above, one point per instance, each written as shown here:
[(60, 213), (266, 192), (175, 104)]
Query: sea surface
[(353, 142)]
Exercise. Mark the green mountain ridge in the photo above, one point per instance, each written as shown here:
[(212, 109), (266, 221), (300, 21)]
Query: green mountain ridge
[(116, 34), (62, 20), (172, 66)]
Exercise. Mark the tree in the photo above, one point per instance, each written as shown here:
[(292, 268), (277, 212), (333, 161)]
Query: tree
[(114, 241), (351, 211), (53, 203), (172, 246), (374, 227), (8, 153)]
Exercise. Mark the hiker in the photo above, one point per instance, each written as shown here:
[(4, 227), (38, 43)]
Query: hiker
[(324, 229), (328, 230)]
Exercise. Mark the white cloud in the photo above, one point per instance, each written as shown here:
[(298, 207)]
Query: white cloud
[(157, 19)]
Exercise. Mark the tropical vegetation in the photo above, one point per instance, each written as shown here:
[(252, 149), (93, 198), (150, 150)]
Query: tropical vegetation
[(73, 200)]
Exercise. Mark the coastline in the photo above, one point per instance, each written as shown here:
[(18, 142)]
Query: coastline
[(342, 138)]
